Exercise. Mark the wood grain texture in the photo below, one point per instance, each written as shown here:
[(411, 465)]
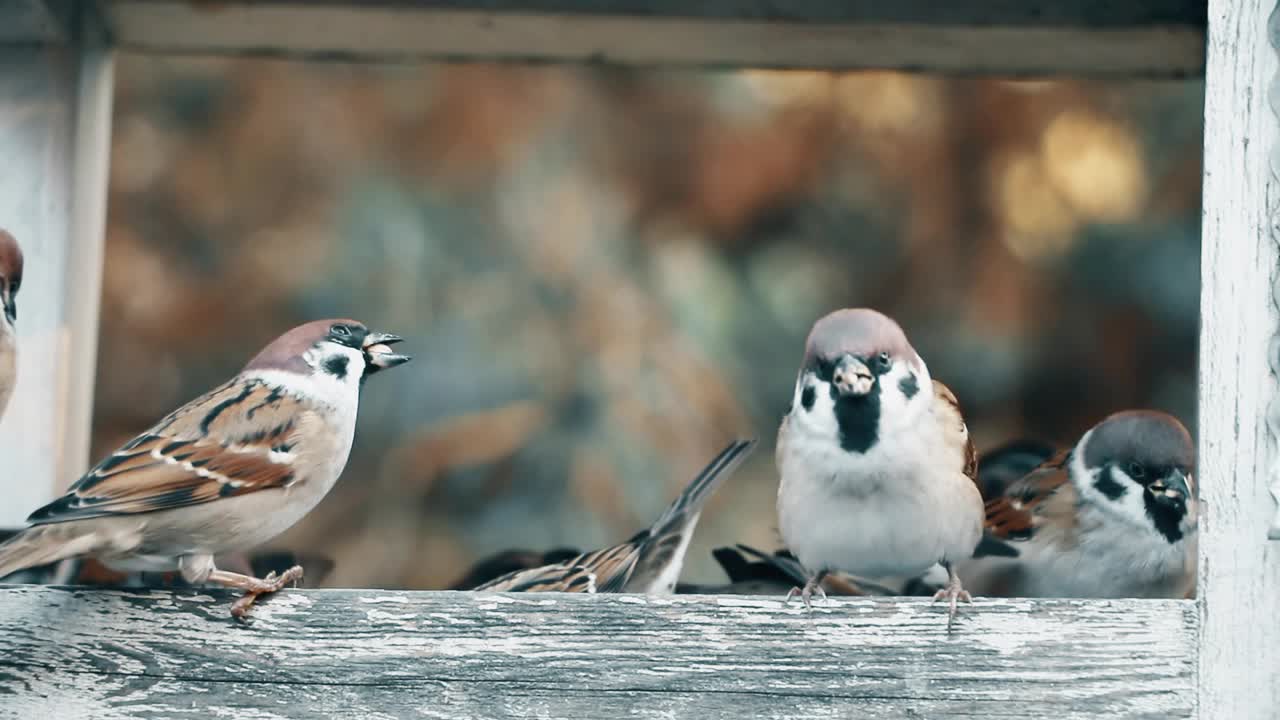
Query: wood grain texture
[(1239, 582), (330, 653), (1032, 37)]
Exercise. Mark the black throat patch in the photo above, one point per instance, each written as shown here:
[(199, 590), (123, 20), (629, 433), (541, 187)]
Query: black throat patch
[(858, 418), (1167, 519)]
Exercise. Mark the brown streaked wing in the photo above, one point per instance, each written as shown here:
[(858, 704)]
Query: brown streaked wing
[(608, 571), (950, 412), (1014, 515), (218, 446)]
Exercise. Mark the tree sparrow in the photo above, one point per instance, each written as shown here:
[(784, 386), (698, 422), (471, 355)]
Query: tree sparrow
[(649, 562), (226, 472), (10, 281), (1115, 516), (877, 468)]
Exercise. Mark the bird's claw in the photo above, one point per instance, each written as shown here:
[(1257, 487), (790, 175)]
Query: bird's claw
[(269, 584), (953, 593), (811, 588)]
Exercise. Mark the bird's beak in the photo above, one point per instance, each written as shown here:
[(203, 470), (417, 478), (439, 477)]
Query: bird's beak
[(1172, 489), (377, 352), (852, 377)]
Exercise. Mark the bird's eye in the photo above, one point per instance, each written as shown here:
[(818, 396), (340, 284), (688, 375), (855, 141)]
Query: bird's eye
[(341, 330), (1136, 471), (884, 360)]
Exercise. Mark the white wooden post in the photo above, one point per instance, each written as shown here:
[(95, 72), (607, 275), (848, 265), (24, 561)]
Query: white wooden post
[(1239, 591), (55, 120)]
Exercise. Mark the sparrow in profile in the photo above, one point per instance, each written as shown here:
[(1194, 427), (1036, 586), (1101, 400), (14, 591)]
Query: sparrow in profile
[(226, 472), (10, 281), (1114, 516), (649, 562), (877, 468)]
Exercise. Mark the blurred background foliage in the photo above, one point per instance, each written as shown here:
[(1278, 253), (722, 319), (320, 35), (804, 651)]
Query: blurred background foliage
[(604, 274)]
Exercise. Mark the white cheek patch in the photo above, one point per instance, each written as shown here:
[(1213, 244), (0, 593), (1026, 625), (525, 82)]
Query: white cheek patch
[(905, 392), (812, 407)]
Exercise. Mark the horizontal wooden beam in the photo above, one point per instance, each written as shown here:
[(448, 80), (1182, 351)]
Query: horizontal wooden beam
[(343, 653), (1005, 37)]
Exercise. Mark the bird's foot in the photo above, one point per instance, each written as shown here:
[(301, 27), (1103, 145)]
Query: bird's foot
[(812, 587), (269, 584), (952, 593)]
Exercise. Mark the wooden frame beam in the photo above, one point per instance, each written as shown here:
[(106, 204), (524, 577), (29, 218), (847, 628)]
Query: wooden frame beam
[(372, 653), (1162, 38), (55, 126)]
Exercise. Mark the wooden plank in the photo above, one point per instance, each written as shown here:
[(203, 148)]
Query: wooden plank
[(55, 105), (1032, 37), (1239, 568), (340, 653)]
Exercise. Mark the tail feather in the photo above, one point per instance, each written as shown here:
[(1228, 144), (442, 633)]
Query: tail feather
[(41, 545), (700, 488), (660, 551)]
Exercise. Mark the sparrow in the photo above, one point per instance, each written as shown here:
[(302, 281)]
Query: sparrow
[(1114, 516), (226, 472), (10, 281), (877, 471), (649, 562)]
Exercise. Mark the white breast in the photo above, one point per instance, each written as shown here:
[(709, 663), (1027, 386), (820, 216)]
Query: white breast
[(895, 510), (1107, 560)]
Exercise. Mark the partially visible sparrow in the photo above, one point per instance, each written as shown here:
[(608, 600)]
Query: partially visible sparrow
[(877, 469), (1005, 464), (649, 562), (1115, 516), (10, 281), (509, 561), (89, 571), (754, 572), (226, 472)]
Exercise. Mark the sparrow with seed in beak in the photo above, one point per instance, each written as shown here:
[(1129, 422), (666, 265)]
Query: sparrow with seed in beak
[(1115, 516), (10, 281), (226, 472), (649, 562), (877, 469)]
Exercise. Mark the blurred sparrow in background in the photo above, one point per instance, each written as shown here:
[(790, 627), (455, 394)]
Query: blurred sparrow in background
[(1115, 516), (649, 562), (226, 472), (10, 281), (877, 468)]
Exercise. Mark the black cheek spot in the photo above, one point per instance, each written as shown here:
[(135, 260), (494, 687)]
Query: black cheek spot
[(1107, 485), (807, 397), (336, 366), (909, 385)]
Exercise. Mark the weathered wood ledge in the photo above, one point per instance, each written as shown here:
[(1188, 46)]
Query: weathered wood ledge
[(80, 653)]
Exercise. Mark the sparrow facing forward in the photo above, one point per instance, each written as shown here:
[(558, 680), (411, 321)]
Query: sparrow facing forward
[(649, 562), (224, 473), (1115, 516), (877, 469), (10, 281)]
